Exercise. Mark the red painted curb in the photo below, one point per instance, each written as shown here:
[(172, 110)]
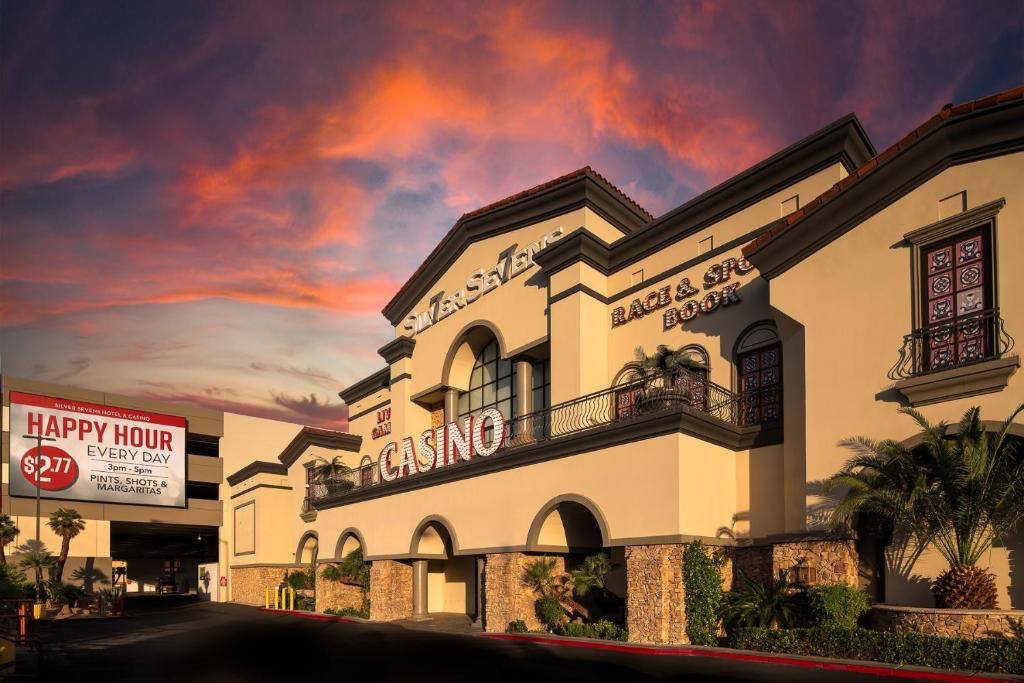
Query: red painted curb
[(875, 670), (309, 615)]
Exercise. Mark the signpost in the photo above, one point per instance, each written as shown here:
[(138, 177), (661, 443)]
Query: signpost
[(39, 541)]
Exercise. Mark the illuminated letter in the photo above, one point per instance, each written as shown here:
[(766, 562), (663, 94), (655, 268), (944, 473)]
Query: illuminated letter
[(710, 302), (744, 266), (498, 422), (689, 310), (383, 462), (670, 319), (439, 446), (408, 464), (459, 441), (685, 290), (618, 316), (427, 451), (729, 295)]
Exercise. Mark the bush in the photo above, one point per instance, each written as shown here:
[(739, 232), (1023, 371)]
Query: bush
[(702, 583), (835, 606), (353, 568), (14, 585), (997, 655), (297, 580), (757, 605), (517, 626), (305, 604), (550, 612), (61, 594), (602, 630)]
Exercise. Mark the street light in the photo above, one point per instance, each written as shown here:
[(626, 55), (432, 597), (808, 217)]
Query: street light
[(39, 439)]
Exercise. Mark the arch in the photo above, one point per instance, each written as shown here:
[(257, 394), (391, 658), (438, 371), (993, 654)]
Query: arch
[(700, 353), (365, 460), (306, 552), (572, 521), (458, 362), (345, 540), (428, 541), (755, 335)]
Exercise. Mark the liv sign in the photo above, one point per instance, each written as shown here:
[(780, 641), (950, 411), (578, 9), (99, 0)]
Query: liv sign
[(510, 263), (444, 446)]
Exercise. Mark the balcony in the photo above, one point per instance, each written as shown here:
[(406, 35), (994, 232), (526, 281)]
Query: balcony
[(656, 404), (955, 358)]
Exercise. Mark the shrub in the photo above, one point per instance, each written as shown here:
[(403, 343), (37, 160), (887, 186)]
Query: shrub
[(305, 604), (13, 584), (602, 630), (836, 606), (297, 580), (590, 574), (61, 594), (517, 626), (353, 568), (550, 612), (998, 655), (757, 605), (702, 584)]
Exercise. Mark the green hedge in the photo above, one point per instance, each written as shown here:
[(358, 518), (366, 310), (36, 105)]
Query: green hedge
[(602, 630), (702, 583), (836, 606), (349, 612), (998, 655)]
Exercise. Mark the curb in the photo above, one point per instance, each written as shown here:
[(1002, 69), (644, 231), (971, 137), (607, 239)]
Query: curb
[(852, 666)]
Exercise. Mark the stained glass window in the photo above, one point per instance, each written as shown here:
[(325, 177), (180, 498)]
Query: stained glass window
[(956, 295), (760, 376)]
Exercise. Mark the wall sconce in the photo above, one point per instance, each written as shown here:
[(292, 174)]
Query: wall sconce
[(804, 573)]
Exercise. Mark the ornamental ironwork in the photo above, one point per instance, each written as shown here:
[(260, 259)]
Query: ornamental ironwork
[(951, 344)]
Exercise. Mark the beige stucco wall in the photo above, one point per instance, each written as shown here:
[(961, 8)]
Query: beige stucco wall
[(847, 308)]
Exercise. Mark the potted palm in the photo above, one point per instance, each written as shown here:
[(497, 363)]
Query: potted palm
[(959, 494), (662, 373), (329, 473)]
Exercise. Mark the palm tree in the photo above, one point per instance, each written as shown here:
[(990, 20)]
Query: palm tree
[(547, 582), (660, 372), (666, 361), (67, 524), (959, 495), (8, 532), (590, 574), (37, 558)]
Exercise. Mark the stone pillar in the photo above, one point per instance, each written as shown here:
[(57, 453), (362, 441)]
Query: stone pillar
[(451, 404), (390, 590), (335, 594), (655, 600), (419, 590), (505, 597)]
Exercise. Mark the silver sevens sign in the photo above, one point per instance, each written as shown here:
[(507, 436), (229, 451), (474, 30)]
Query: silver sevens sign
[(693, 304), (444, 446)]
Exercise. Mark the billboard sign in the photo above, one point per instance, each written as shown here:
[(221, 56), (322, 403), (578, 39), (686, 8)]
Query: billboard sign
[(101, 453)]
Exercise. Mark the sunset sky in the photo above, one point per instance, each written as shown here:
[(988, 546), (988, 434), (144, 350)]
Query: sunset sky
[(210, 202)]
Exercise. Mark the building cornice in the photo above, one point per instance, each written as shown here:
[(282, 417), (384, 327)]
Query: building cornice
[(397, 349), (254, 468), (955, 136), (364, 387), (325, 438)]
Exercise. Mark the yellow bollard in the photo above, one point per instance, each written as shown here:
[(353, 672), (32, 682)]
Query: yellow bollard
[(276, 596), (37, 610), (291, 594), (266, 598)]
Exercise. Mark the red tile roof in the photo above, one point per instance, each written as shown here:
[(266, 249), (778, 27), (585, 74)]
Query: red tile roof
[(786, 222), (586, 170)]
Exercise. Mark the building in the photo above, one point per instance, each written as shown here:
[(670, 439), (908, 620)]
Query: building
[(814, 294), (156, 534)]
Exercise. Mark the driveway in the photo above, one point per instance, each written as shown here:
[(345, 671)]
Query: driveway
[(174, 640)]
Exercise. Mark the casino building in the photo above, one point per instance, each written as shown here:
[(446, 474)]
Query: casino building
[(819, 290), (807, 299)]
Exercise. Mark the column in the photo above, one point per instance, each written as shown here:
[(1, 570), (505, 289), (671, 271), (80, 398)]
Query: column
[(524, 432), (655, 599), (479, 616), (390, 590), (419, 590), (451, 404)]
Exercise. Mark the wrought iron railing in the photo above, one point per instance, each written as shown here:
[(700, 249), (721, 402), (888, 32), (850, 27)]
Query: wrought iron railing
[(644, 396), (951, 344)]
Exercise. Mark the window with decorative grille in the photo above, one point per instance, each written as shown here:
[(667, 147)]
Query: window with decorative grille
[(760, 376)]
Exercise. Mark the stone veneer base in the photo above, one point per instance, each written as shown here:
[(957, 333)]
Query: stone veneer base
[(951, 623)]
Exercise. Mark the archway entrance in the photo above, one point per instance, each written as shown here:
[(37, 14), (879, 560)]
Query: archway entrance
[(443, 582), (571, 528)]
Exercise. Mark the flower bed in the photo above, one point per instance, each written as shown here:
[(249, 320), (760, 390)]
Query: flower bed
[(952, 623)]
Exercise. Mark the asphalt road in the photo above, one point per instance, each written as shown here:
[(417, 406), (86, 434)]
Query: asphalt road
[(171, 640)]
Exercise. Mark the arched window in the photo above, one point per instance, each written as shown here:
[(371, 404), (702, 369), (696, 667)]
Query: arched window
[(759, 375), (492, 384)]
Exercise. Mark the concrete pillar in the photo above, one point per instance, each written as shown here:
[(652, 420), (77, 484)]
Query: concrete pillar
[(479, 616), (451, 404), (419, 590), (505, 598), (524, 429), (655, 599)]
